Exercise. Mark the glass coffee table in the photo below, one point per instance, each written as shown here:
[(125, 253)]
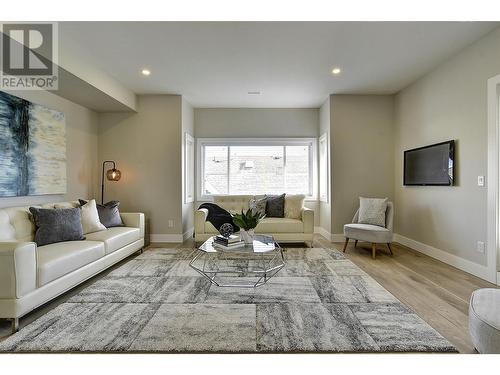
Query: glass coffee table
[(244, 267)]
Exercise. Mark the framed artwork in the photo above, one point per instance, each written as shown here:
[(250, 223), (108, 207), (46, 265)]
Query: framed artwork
[(32, 148)]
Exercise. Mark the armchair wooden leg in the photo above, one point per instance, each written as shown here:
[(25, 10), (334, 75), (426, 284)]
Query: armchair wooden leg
[(15, 325), (345, 243), (374, 250), (355, 243), (389, 246)]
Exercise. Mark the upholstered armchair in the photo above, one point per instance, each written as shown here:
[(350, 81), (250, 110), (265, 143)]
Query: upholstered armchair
[(371, 233)]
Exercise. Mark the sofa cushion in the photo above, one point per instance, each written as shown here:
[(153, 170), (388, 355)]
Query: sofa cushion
[(280, 225), (57, 225), (372, 211), (293, 205), (90, 218), (7, 230), (58, 259), (109, 214), (368, 232), (258, 205), (275, 205), (233, 203), (115, 238)]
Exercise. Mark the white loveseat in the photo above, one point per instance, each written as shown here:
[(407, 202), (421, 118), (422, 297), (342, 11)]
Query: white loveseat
[(282, 229), (30, 275)]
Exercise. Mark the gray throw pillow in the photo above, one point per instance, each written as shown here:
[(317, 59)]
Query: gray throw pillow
[(258, 205), (275, 205), (109, 215), (57, 225), (372, 211)]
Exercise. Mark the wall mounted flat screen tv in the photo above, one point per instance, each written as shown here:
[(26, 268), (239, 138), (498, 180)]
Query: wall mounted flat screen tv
[(432, 165)]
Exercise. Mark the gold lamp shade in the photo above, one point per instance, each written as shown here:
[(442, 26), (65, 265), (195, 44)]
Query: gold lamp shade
[(113, 174)]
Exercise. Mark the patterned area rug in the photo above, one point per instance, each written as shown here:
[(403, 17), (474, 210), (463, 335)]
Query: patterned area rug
[(320, 302)]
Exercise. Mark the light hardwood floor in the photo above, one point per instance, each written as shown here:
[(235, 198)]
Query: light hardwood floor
[(437, 292)]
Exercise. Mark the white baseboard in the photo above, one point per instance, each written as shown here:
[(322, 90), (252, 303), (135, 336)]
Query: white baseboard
[(172, 238), (188, 234), (463, 264), (336, 237), (322, 231), (169, 238)]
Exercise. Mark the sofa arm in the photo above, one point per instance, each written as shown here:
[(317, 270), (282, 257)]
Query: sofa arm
[(200, 216), (134, 220), (17, 269), (308, 220)]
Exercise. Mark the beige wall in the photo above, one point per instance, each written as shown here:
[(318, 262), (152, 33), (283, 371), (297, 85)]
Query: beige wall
[(325, 208), (258, 123), (362, 152), (448, 103), (255, 122), (187, 127), (75, 60), (81, 150), (147, 147)]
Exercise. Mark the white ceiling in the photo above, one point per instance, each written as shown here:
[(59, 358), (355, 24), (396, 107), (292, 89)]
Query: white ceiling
[(215, 64)]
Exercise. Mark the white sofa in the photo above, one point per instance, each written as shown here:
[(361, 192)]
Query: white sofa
[(31, 276), (282, 229)]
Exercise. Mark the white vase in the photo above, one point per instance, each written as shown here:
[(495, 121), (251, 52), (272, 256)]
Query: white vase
[(247, 236)]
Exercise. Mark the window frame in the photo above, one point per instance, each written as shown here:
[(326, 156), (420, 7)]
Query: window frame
[(312, 143), (324, 139), (189, 169)]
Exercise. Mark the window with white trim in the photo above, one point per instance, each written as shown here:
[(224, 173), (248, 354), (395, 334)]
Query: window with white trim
[(323, 167), (256, 166)]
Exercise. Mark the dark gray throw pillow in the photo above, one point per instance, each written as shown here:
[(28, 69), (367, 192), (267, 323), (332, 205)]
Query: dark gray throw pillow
[(109, 215), (57, 225), (275, 205)]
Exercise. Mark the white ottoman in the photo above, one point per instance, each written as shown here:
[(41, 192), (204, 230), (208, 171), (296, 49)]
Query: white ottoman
[(484, 320)]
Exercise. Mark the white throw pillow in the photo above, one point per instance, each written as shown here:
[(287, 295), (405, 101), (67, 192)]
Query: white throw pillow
[(90, 218), (372, 211), (293, 205)]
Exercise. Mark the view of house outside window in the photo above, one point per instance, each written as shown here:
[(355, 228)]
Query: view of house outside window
[(256, 169)]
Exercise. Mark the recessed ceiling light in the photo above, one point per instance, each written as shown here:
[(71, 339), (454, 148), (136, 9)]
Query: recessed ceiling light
[(146, 72), (336, 71), (254, 93)]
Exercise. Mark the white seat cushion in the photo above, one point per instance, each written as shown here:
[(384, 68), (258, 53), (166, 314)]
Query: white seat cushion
[(115, 238), (58, 259), (280, 225), (484, 320), (367, 232)]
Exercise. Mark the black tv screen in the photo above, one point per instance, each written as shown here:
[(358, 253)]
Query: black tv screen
[(432, 165)]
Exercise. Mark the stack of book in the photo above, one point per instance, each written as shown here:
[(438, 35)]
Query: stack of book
[(231, 242)]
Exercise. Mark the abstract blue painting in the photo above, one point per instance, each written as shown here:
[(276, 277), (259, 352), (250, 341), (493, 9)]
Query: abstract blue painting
[(32, 148)]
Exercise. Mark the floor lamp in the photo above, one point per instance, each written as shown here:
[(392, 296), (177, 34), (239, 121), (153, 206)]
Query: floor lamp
[(112, 175)]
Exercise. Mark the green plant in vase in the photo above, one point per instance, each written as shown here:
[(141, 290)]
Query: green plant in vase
[(247, 221)]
